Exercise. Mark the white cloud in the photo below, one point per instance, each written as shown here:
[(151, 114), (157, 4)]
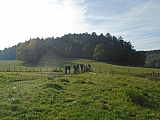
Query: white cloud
[(36, 18), (135, 20)]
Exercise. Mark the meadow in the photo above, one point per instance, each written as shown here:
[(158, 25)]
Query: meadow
[(109, 92)]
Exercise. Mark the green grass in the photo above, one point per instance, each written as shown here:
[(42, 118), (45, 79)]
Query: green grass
[(98, 67), (92, 95)]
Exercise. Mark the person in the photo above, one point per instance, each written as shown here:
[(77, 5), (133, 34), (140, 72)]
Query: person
[(65, 68), (81, 65), (69, 68), (75, 69), (89, 66)]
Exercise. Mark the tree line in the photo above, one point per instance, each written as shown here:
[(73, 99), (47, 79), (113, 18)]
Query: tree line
[(8, 53), (106, 48), (153, 58)]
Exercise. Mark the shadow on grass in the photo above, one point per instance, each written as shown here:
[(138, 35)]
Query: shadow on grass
[(143, 99), (60, 62), (55, 86), (124, 64), (150, 76), (31, 64)]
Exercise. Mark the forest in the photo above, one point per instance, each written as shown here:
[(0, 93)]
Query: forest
[(153, 59), (8, 53), (105, 48)]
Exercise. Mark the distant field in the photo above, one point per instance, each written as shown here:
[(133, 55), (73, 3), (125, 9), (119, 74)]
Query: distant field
[(97, 95), (98, 67)]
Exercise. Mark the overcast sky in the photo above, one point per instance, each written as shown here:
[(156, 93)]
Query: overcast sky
[(137, 21)]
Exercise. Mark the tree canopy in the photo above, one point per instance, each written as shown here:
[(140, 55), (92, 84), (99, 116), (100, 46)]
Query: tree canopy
[(106, 48), (153, 58), (8, 53)]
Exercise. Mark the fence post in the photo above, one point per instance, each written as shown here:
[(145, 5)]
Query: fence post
[(111, 71), (14, 69), (153, 73), (20, 69), (128, 72), (99, 70)]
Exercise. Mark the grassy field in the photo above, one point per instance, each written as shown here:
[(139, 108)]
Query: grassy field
[(97, 95)]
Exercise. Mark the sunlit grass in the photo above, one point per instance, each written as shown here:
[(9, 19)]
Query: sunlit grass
[(91, 95)]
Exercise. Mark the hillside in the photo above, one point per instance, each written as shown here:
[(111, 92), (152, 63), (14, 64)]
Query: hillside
[(89, 95)]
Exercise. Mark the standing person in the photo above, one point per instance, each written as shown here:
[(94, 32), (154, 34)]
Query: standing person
[(75, 69), (69, 68), (89, 66), (81, 65), (65, 68), (78, 68)]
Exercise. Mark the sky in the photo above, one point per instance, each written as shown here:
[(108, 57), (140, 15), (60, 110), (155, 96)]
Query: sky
[(137, 21)]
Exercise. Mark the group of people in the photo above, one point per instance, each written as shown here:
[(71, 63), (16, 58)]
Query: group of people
[(77, 68)]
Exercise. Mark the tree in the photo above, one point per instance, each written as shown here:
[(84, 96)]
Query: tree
[(21, 51), (90, 46), (31, 51), (32, 56), (94, 34), (108, 35), (153, 60), (99, 52), (8, 53)]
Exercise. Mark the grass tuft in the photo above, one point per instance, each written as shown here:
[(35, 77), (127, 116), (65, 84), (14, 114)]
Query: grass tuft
[(63, 80), (56, 86)]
